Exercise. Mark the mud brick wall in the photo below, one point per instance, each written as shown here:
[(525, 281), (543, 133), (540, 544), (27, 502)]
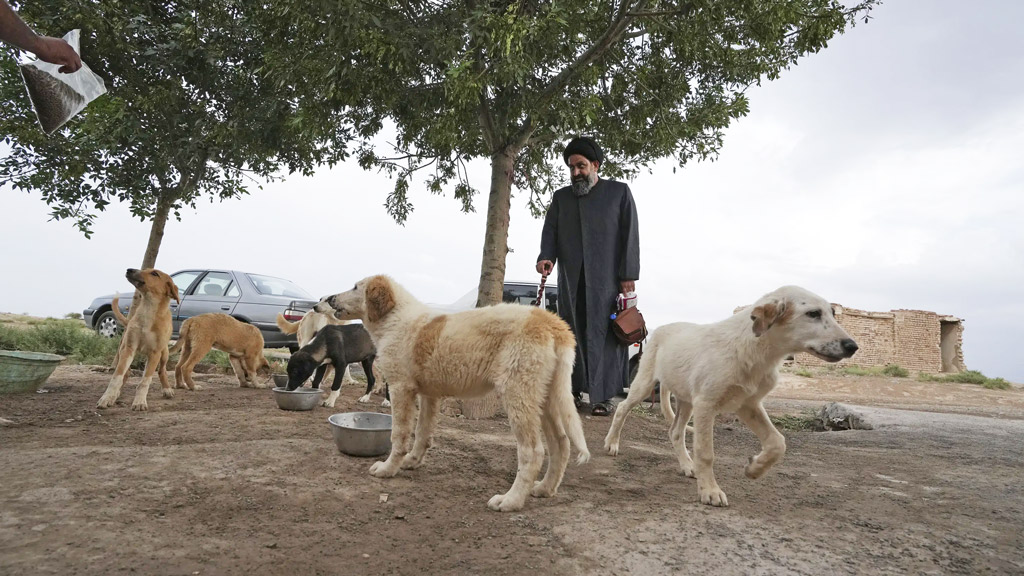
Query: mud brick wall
[(874, 332), (910, 338)]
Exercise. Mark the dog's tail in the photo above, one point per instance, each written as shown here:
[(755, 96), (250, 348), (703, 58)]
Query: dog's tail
[(286, 326), (182, 335), (665, 395), (561, 402), (117, 311)]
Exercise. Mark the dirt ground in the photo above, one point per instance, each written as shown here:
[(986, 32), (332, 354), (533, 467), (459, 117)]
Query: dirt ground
[(220, 481)]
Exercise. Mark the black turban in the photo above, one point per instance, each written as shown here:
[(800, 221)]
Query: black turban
[(585, 147)]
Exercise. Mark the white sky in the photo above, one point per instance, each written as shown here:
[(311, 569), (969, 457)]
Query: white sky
[(882, 173)]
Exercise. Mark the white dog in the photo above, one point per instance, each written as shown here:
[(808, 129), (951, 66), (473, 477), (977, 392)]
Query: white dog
[(730, 366), (525, 353)]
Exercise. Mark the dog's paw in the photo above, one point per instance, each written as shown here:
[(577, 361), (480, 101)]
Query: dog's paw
[(195, 387), (140, 405), (611, 447), (106, 402), (687, 468), (329, 403), (168, 392), (365, 399), (502, 503), (382, 470), (411, 462), (541, 490), (755, 468), (713, 496), (386, 403)]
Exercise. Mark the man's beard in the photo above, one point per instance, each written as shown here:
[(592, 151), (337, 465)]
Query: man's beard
[(582, 185)]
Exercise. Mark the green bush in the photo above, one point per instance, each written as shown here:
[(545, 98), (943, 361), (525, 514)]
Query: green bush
[(804, 372), (68, 338), (854, 370), (967, 377), (895, 370)]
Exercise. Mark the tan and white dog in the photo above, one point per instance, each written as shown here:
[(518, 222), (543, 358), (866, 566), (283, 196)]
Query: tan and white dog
[(524, 353), (243, 343), (306, 328), (730, 366), (147, 331)]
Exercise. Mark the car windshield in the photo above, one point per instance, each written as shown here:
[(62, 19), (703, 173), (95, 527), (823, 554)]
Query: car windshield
[(270, 286)]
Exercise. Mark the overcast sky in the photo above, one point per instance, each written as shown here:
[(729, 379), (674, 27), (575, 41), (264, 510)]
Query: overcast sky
[(882, 173)]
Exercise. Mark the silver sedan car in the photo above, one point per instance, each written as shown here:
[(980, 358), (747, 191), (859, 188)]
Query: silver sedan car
[(253, 298)]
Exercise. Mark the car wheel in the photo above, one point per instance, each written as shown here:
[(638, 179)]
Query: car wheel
[(107, 325)]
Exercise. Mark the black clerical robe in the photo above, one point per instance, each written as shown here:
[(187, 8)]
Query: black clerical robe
[(593, 238)]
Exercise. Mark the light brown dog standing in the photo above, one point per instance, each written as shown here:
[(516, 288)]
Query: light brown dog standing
[(243, 343), (147, 331), (524, 353)]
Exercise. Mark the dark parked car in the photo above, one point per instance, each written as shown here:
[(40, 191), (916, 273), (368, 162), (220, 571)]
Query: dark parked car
[(252, 298)]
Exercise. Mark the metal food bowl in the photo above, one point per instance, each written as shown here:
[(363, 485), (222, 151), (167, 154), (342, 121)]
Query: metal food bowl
[(361, 433), (298, 399), (281, 380)]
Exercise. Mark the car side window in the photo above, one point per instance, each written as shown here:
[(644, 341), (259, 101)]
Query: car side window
[(213, 284), (233, 291), (185, 279), (520, 294)]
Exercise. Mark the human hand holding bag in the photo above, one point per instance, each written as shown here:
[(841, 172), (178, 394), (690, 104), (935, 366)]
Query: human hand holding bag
[(628, 323)]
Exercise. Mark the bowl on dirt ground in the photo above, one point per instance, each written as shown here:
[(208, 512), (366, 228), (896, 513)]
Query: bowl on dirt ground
[(281, 380), (299, 399), (361, 433), (25, 371)]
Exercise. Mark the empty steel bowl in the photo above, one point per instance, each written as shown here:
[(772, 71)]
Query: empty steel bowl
[(298, 399), (361, 433)]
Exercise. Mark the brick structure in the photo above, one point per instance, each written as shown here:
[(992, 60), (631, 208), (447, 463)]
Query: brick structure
[(913, 339)]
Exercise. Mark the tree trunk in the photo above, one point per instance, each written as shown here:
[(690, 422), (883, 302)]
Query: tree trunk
[(492, 269), (156, 232)]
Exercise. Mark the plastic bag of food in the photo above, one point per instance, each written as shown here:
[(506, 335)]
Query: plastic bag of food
[(57, 97)]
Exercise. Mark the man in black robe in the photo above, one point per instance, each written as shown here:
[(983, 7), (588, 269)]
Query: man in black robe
[(591, 232)]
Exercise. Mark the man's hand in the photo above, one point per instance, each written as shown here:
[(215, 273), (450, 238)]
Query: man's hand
[(627, 286), (545, 267), (57, 51)]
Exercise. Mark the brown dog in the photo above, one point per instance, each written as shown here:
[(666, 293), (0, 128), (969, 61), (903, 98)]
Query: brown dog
[(147, 331), (243, 343)]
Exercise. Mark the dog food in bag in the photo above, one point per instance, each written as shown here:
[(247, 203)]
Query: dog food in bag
[(57, 97)]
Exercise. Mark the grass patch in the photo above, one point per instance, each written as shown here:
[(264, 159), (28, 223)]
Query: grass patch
[(66, 337), (804, 372), (854, 370), (796, 422), (895, 370), (966, 377)]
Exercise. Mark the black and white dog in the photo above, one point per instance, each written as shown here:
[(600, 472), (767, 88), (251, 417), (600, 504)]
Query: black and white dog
[(338, 346)]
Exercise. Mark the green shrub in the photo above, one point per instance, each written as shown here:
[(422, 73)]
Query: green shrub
[(967, 377), (68, 338), (854, 370), (804, 372), (895, 370)]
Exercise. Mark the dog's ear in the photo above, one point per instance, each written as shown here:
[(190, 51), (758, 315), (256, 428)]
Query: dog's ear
[(768, 314), (380, 299), (172, 290)]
